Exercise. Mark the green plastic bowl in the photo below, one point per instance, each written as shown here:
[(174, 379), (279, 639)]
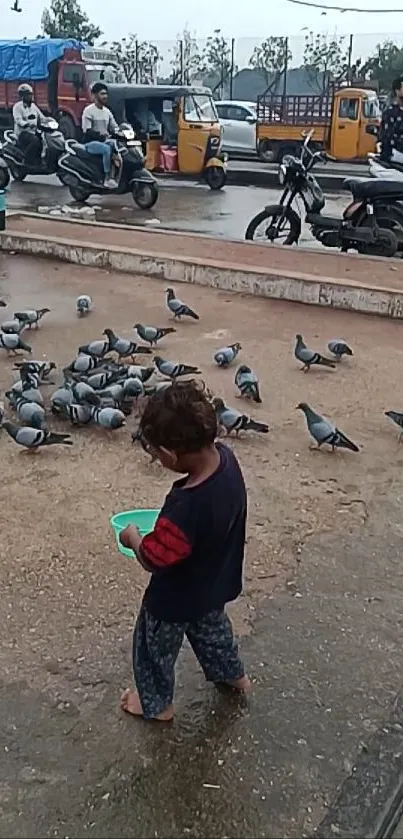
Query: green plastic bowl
[(143, 519)]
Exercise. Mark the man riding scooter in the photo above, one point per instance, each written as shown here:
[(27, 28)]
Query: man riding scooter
[(27, 123), (99, 126)]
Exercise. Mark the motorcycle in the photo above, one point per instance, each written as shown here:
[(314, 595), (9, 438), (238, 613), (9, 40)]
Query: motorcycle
[(84, 175), (372, 223), (53, 145), (4, 172)]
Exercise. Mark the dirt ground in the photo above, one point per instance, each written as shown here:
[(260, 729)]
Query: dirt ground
[(68, 596)]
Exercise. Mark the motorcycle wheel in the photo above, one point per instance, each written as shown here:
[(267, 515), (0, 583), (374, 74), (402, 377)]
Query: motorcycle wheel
[(282, 224), (18, 174), (215, 177), (145, 195), (390, 220), (79, 193), (4, 178)]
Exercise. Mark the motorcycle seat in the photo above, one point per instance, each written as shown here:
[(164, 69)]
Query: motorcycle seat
[(372, 187)]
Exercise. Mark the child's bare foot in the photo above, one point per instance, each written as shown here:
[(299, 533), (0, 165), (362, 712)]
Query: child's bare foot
[(130, 702), (243, 685)]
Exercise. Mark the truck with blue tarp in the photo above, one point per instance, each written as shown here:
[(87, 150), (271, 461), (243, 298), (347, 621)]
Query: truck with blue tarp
[(61, 72)]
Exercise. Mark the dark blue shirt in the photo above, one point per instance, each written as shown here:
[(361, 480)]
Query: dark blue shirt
[(196, 550), (391, 133)]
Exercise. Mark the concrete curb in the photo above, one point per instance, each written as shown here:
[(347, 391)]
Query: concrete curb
[(245, 279)]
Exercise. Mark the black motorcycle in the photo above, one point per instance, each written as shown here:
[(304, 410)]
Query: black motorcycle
[(372, 223), (84, 175), (53, 145)]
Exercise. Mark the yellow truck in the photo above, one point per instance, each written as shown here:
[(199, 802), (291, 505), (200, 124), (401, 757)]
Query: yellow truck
[(339, 119)]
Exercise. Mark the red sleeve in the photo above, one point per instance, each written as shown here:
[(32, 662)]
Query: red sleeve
[(165, 546)]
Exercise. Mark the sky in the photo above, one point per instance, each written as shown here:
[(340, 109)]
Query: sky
[(161, 21)]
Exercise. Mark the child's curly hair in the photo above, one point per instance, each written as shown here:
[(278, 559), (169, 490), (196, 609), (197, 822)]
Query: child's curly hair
[(179, 418)]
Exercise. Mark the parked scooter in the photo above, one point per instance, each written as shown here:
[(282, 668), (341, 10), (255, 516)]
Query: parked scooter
[(52, 148), (4, 172), (84, 175), (371, 224)]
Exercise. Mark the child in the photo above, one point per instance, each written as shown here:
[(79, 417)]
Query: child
[(194, 554)]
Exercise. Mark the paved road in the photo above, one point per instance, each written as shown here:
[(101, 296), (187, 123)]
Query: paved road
[(182, 206)]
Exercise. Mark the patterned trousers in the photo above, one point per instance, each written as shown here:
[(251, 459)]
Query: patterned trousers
[(156, 646)]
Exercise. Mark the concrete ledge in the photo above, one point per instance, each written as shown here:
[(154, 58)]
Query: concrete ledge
[(245, 279)]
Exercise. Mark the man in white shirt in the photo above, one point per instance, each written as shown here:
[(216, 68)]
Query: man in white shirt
[(27, 122), (99, 126)]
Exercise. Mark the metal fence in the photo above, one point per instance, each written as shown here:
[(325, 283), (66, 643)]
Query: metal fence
[(243, 68)]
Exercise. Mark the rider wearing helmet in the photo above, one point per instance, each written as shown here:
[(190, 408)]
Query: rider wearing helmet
[(27, 120)]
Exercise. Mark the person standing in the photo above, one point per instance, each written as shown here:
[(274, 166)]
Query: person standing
[(27, 123), (99, 126), (391, 132)]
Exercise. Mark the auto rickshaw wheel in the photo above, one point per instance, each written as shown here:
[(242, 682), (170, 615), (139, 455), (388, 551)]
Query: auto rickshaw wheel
[(215, 177), (79, 193), (145, 195)]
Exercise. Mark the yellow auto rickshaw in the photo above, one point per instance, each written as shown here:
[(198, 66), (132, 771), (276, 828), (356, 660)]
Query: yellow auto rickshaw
[(178, 127)]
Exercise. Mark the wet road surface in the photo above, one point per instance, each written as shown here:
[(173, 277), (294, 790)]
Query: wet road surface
[(181, 206)]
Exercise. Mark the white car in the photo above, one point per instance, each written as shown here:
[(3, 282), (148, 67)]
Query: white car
[(238, 119)]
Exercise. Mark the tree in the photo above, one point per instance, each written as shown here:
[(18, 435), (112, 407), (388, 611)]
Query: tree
[(187, 61), (271, 59), (137, 59), (325, 59), (384, 65), (217, 62), (65, 19)]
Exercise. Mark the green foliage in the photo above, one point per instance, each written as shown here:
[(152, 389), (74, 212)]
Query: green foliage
[(385, 65), (187, 60), (65, 19), (271, 59), (325, 59), (137, 59)]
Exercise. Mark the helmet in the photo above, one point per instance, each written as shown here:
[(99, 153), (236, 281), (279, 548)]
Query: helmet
[(25, 88)]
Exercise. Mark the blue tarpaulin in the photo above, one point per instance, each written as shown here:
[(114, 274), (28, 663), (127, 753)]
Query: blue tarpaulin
[(30, 59)]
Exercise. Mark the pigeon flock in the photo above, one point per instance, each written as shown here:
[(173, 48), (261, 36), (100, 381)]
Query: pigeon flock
[(111, 378)]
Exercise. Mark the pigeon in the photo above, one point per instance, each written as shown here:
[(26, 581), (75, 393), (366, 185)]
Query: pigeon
[(133, 388), (60, 398), (173, 369), (32, 438), (84, 393), (1, 413), (136, 372), (225, 355), (308, 357), (12, 343), (150, 389), (324, 431), (31, 317), (123, 347), (82, 364), (40, 369), (29, 413), (398, 419), (78, 414), (152, 334), (29, 391), (28, 378), (99, 381), (339, 348), (83, 304), (233, 420), (98, 349), (109, 418), (177, 307), (12, 327), (247, 383), (138, 437), (16, 6), (3, 303)]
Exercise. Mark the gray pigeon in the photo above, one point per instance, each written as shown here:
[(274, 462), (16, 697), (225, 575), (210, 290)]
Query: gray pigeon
[(110, 418), (3, 303), (308, 357), (396, 417), (31, 317), (29, 413), (99, 381), (97, 349), (13, 342), (29, 391), (32, 438), (83, 304), (133, 388), (40, 369), (155, 387), (152, 334), (114, 393), (12, 327), (177, 307), (173, 369), (84, 393), (324, 432), (1, 413), (226, 355), (339, 348), (60, 398), (233, 420), (82, 364), (135, 371), (123, 347), (78, 414), (247, 383)]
